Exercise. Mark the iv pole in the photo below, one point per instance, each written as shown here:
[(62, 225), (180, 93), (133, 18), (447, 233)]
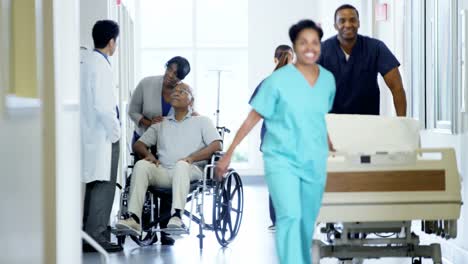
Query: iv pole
[(218, 100)]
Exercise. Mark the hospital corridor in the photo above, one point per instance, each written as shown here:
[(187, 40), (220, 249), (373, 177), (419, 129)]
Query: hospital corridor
[(234, 131)]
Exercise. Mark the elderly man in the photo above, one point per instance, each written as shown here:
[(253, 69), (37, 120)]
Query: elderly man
[(184, 143)]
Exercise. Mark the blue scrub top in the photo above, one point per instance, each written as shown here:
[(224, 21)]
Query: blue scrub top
[(357, 90), (263, 130), (294, 113)]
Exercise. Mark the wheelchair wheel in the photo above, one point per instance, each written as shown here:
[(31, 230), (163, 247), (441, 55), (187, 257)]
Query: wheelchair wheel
[(228, 207)]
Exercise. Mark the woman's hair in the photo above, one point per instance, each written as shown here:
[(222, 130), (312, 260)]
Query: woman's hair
[(282, 54), (295, 29), (182, 64)]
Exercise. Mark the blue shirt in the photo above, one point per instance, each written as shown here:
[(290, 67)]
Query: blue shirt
[(166, 107), (294, 113), (357, 90)]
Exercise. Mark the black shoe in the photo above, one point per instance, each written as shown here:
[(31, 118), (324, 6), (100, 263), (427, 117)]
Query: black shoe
[(88, 248), (108, 246), (111, 247), (166, 240)]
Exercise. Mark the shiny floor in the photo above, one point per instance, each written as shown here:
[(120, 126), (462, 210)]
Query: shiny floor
[(254, 244)]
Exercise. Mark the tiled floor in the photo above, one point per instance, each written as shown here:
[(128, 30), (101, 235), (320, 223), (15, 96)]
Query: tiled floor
[(254, 244)]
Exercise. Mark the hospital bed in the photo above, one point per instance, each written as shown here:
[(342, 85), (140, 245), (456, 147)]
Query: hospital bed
[(380, 183)]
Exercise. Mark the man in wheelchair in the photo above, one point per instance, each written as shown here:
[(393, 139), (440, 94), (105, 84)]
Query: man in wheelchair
[(184, 144)]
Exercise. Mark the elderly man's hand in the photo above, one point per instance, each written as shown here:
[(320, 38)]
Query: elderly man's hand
[(189, 160), (222, 167), (152, 159), (157, 119)]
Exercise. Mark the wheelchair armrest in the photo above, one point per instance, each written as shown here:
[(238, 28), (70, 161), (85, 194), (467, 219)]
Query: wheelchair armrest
[(219, 153), (216, 156)]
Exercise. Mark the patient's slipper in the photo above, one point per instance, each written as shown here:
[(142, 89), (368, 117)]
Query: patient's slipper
[(175, 222), (129, 224)]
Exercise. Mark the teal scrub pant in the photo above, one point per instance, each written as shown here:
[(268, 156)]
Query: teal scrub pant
[(297, 203)]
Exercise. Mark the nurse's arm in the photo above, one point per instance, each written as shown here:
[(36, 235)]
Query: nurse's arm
[(251, 120), (394, 83), (331, 148)]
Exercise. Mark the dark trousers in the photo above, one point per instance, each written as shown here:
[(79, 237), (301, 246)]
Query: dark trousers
[(272, 211), (99, 197)]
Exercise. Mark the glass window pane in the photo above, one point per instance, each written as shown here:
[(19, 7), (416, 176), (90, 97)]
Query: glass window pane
[(417, 58), (222, 23), (166, 23), (153, 62), (234, 92), (444, 64)]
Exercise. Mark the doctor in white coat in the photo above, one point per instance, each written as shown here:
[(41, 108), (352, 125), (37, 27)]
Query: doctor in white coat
[(100, 134)]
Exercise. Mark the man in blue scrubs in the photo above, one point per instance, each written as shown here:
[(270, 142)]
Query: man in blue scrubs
[(355, 61)]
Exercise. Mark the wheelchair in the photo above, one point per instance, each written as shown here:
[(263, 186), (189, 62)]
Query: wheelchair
[(226, 213)]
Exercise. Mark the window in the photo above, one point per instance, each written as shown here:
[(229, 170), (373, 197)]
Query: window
[(441, 51), (433, 68), (415, 63)]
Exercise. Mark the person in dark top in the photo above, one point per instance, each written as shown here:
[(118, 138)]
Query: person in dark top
[(283, 56), (355, 61)]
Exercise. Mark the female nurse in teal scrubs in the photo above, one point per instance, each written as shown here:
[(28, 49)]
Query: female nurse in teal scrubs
[(293, 101)]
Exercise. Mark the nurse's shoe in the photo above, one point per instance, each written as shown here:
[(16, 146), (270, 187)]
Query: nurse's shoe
[(129, 224)]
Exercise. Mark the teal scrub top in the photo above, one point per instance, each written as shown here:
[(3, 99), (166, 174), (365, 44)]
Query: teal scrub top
[(294, 113)]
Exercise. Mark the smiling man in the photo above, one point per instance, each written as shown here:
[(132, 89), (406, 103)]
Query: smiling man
[(355, 61), (184, 144)]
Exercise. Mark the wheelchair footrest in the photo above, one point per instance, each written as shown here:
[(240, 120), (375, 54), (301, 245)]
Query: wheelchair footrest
[(175, 231)]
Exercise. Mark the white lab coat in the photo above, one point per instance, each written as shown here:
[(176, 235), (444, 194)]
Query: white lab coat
[(100, 126)]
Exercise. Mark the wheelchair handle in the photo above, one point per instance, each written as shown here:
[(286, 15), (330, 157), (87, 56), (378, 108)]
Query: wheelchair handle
[(224, 129)]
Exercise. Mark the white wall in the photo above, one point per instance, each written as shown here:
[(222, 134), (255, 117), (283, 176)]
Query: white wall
[(21, 189), (463, 166), (68, 171), (392, 34), (90, 12)]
